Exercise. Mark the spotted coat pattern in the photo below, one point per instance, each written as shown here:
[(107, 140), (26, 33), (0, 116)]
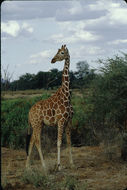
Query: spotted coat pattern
[(54, 111)]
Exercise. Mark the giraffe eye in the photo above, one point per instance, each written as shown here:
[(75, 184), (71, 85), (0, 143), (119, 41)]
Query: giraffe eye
[(62, 52)]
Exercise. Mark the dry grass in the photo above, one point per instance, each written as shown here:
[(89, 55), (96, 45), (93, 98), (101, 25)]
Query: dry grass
[(31, 93), (23, 93), (91, 168)]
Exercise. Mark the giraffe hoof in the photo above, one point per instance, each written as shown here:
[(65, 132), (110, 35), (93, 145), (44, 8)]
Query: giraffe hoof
[(27, 166), (59, 167), (72, 166)]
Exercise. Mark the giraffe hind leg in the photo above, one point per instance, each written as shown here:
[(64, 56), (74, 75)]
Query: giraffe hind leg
[(37, 136), (68, 137), (30, 147), (28, 137)]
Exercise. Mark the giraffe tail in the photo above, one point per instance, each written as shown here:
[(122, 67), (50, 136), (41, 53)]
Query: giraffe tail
[(28, 137)]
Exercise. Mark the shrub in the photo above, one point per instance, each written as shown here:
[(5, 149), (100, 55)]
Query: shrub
[(14, 120), (35, 177)]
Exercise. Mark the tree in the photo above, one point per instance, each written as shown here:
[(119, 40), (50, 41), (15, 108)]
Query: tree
[(26, 81), (105, 105), (84, 74), (54, 79), (6, 77), (83, 69)]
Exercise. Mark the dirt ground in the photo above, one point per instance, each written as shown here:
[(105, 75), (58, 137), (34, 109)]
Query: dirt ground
[(91, 167)]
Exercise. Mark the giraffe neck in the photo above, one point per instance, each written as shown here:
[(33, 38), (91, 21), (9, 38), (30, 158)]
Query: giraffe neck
[(65, 76)]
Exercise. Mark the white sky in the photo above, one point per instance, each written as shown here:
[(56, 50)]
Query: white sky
[(32, 32)]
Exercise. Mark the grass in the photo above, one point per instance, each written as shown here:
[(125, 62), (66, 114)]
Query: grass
[(51, 182), (4, 181), (34, 177), (92, 171), (69, 183)]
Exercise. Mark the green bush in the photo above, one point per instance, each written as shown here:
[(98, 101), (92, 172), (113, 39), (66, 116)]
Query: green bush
[(105, 105), (35, 177), (14, 120)]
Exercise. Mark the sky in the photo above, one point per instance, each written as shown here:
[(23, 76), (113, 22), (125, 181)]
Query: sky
[(32, 32)]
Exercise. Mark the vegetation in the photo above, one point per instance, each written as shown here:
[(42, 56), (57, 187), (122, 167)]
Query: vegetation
[(14, 120), (38, 179), (100, 108), (46, 80)]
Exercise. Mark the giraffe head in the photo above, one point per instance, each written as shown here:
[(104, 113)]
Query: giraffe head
[(62, 54)]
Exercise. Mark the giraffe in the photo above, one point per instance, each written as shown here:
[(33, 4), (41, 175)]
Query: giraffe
[(54, 111)]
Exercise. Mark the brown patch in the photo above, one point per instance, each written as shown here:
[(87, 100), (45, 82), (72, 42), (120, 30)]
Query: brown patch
[(38, 106), (35, 115), (55, 99), (58, 98), (55, 106), (66, 104), (49, 112), (68, 109), (44, 113), (45, 106), (53, 112), (52, 120), (58, 111), (58, 93), (67, 94), (66, 83), (49, 100), (59, 116), (66, 78), (62, 108), (65, 115), (47, 118), (61, 101), (66, 72), (65, 98), (51, 104), (63, 78), (63, 120), (40, 117), (66, 68), (63, 90), (62, 95), (41, 102)]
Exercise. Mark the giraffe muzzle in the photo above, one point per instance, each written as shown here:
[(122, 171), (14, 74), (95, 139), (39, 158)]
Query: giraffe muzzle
[(53, 60)]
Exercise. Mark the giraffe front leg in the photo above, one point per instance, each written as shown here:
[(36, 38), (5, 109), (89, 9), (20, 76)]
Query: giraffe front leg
[(68, 137), (59, 142)]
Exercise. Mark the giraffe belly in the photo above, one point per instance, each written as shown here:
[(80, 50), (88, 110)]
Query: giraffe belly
[(50, 121), (46, 122)]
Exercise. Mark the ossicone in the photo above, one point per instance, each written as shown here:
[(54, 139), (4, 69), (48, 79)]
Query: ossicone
[(63, 46)]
